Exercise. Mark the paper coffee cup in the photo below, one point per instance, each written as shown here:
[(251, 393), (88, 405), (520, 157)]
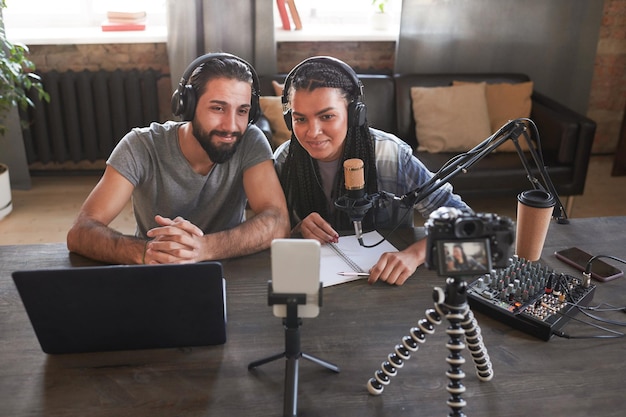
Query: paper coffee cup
[(534, 211)]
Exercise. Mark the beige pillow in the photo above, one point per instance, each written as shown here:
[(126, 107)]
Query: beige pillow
[(507, 102), (278, 88), (272, 108), (450, 119)]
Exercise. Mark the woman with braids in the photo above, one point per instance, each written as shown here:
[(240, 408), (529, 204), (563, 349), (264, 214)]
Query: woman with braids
[(329, 125)]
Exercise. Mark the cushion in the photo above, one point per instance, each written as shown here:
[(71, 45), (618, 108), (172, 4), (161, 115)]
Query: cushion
[(507, 102), (272, 108), (450, 119), (278, 87)]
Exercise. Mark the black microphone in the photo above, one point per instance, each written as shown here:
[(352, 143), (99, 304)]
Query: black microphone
[(355, 202)]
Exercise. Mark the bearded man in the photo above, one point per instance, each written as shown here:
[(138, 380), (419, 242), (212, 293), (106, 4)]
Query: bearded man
[(190, 180)]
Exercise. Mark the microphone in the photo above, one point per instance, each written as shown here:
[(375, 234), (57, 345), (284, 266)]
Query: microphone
[(355, 202)]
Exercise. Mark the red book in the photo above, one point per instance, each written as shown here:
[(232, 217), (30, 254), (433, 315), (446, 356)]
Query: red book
[(108, 26), (284, 17)]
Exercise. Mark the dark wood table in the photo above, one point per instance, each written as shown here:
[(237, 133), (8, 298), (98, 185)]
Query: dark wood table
[(358, 326)]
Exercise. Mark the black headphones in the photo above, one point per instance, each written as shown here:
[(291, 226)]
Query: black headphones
[(357, 110), (184, 99)]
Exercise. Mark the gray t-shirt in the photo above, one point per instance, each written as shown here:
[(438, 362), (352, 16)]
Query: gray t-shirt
[(165, 184)]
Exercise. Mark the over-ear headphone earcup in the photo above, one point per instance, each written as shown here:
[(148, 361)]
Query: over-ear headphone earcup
[(184, 102), (189, 103), (176, 104), (255, 107), (287, 117), (357, 114)]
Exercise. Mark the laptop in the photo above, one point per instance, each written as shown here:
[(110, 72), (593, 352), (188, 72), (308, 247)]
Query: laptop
[(124, 307)]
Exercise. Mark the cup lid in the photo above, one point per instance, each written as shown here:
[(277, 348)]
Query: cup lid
[(536, 198)]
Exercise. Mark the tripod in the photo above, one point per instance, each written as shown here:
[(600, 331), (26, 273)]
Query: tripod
[(292, 352), (451, 303)]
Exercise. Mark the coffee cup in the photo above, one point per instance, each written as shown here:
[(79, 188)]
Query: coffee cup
[(534, 211)]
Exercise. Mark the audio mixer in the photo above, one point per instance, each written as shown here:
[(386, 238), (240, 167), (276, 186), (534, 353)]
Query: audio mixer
[(529, 296)]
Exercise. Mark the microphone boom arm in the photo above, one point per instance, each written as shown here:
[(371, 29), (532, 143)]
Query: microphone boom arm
[(461, 163)]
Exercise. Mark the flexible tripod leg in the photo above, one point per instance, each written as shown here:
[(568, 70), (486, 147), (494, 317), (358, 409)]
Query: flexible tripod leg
[(455, 374), (475, 344), (402, 352), (451, 303)]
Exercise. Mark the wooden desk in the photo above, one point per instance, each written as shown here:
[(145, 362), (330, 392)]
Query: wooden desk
[(358, 327)]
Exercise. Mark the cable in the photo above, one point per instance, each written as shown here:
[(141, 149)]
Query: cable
[(615, 334), (587, 272), (601, 319)]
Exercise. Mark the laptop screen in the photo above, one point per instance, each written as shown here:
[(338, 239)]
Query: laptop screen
[(123, 307)]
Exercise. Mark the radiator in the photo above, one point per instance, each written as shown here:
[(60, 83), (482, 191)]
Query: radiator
[(88, 113)]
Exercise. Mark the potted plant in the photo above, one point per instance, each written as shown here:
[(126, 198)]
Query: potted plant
[(16, 79), (380, 5), (380, 17)]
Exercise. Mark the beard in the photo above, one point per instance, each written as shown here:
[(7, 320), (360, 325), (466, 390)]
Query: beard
[(217, 152)]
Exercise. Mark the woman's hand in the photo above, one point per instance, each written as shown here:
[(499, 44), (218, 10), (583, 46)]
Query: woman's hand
[(315, 227), (396, 267)]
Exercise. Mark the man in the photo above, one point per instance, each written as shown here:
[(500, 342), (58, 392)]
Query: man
[(190, 180)]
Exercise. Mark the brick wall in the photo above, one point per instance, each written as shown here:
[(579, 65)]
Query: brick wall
[(364, 57), (606, 104), (607, 101)]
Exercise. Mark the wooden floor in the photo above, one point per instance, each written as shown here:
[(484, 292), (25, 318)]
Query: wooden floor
[(44, 213)]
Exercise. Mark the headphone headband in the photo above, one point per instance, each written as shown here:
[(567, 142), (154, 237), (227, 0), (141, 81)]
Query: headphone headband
[(184, 99), (357, 110)]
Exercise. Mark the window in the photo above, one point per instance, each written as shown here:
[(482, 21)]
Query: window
[(339, 20), (74, 13), (46, 21)]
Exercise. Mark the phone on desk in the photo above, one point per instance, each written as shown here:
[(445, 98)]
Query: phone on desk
[(578, 258), (296, 270)]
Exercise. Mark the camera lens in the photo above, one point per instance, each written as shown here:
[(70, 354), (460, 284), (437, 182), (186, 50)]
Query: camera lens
[(468, 228)]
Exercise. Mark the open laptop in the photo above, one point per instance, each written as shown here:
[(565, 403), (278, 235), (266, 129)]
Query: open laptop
[(123, 307)]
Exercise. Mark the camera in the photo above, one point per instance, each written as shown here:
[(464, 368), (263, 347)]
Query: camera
[(464, 243)]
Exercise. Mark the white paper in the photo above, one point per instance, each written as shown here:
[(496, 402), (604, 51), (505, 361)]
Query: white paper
[(331, 263)]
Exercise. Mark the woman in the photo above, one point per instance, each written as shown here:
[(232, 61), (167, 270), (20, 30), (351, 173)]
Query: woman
[(329, 125)]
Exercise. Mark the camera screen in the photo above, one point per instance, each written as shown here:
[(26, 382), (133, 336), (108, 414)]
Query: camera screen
[(464, 257)]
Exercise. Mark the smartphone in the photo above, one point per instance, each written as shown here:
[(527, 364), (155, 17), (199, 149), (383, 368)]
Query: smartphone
[(578, 258), (296, 270)]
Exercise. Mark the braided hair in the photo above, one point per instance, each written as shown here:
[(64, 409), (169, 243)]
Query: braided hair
[(300, 171)]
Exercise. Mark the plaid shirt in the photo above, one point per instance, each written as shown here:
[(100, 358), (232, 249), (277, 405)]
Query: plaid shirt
[(399, 172)]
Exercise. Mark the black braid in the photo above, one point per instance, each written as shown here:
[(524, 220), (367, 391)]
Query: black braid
[(300, 172)]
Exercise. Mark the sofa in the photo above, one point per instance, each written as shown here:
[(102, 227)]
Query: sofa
[(565, 136)]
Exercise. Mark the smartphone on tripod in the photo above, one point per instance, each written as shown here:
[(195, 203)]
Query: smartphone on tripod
[(296, 269)]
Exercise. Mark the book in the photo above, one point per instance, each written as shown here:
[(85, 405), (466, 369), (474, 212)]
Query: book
[(122, 20), (348, 255), (126, 14), (284, 17), (295, 16), (108, 26)]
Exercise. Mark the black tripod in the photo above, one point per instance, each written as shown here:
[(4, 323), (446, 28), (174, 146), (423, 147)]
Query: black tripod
[(292, 351), (451, 303)]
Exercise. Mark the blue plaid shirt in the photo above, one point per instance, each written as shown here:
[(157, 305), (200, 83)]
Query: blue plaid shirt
[(399, 172)]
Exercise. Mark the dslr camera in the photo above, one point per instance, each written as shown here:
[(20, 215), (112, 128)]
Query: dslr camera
[(464, 243)]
